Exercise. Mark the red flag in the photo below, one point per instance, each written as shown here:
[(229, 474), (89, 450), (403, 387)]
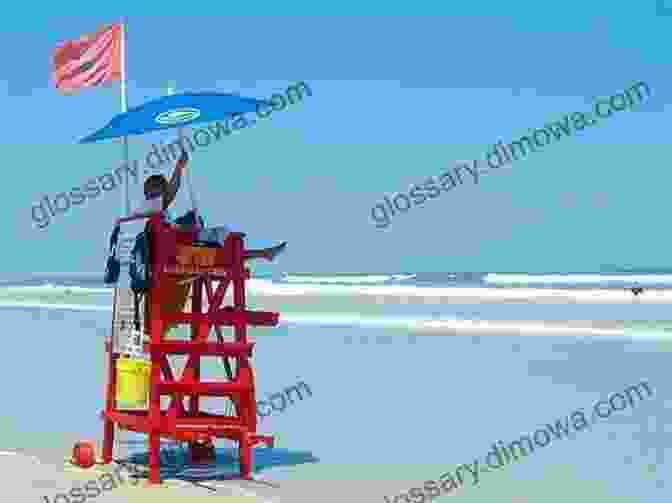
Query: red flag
[(90, 61)]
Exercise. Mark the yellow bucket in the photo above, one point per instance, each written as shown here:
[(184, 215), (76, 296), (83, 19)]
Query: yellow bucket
[(133, 381)]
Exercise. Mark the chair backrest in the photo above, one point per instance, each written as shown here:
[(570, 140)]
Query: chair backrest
[(165, 240)]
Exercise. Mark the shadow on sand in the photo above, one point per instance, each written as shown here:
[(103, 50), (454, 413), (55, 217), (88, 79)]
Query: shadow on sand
[(226, 466)]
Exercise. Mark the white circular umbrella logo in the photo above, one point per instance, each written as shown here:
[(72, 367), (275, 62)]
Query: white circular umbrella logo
[(177, 116)]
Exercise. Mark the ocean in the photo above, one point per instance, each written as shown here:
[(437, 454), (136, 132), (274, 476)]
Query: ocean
[(407, 378)]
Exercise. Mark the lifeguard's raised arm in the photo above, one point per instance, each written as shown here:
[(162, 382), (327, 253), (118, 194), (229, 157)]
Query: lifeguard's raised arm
[(175, 181)]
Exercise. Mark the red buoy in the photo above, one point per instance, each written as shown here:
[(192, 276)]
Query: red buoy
[(84, 454)]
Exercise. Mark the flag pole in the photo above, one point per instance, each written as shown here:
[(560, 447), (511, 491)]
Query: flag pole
[(126, 202)]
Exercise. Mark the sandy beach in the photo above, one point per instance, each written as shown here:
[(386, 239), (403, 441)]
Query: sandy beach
[(362, 456), (463, 355), (31, 479)]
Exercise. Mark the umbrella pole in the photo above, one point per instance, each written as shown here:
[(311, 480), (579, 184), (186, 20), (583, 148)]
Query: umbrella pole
[(187, 176), (192, 196)]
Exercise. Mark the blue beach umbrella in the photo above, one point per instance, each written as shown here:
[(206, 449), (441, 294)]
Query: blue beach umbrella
[(175, 111)]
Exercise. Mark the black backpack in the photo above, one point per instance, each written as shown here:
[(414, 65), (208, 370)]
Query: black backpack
[(138, 268), (113, 267)]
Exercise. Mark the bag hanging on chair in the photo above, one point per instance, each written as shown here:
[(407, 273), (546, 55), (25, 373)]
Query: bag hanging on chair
[(113, 267), (138, 268)]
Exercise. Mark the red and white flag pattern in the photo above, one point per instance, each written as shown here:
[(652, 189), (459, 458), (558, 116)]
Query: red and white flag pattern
[(90, 61)]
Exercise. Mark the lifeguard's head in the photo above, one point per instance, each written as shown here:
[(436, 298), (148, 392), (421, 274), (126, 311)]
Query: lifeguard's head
[(155, 186)]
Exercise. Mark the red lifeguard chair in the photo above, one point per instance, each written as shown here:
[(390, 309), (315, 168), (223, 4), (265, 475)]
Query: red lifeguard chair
[(211, 270)]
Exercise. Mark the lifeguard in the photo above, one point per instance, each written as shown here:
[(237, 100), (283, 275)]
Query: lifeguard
[(159, 195)]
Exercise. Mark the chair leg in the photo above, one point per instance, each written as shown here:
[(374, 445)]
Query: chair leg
[(245, 453)]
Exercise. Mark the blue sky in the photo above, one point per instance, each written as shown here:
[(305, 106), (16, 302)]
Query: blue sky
[(399, 92)]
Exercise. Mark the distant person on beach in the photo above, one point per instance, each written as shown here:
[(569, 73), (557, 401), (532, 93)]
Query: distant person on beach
[(636, 290), (160, 194)]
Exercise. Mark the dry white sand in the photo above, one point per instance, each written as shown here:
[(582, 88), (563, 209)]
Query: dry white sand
[(28, 479)]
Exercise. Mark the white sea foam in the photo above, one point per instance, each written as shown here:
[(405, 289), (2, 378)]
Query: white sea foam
[(522, 327), (266, 287), (58, 307), (475, 294), (55, 289), (446, 326), (576, 279), (347, 320), (347, 279)]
